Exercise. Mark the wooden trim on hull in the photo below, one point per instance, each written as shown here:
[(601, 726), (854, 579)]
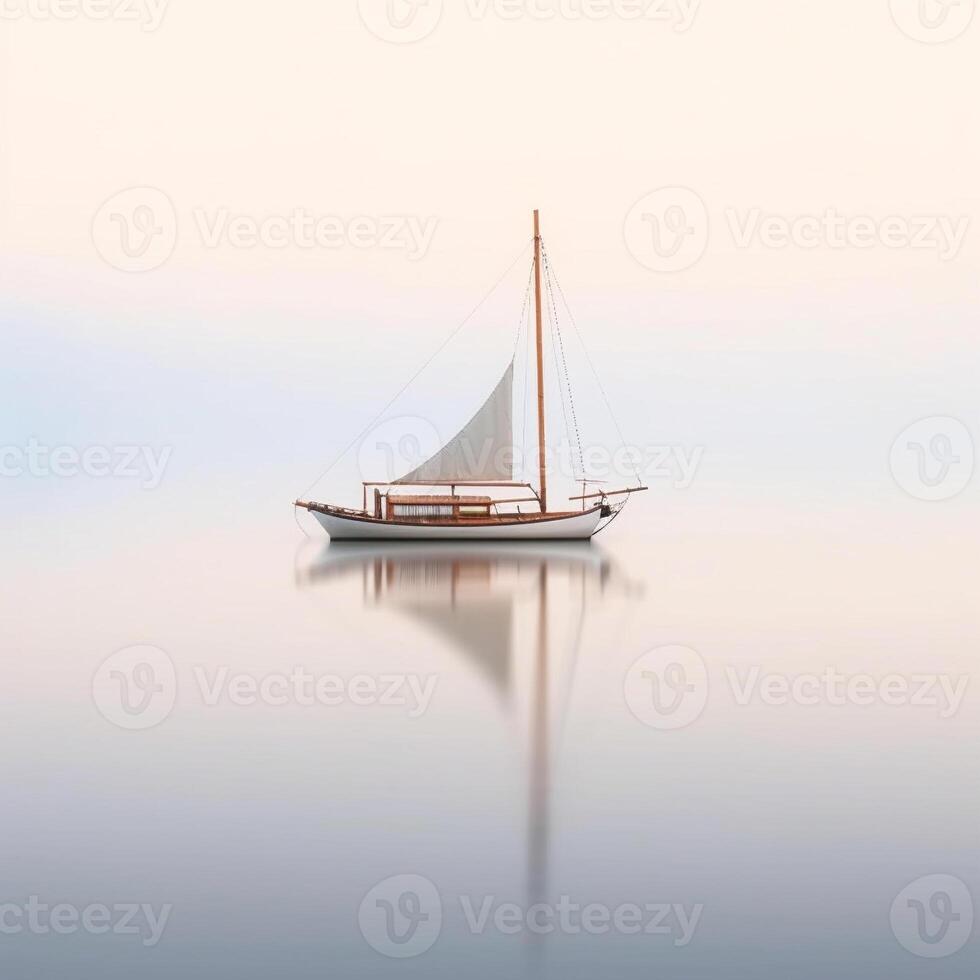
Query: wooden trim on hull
[(570, 526)]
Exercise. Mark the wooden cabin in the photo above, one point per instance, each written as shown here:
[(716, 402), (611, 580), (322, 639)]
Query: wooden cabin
[(435, 508)]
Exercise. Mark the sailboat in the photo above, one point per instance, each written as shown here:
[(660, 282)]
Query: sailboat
[(481, 457)]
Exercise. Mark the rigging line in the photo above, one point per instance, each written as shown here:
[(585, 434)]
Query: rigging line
[(300, 526), (524, 324), (469, 316), (595, 374), (554, 350), (527, 362), (524, 310), (561, 348)]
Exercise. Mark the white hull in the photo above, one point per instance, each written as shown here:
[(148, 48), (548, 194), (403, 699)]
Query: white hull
[(574, 527)]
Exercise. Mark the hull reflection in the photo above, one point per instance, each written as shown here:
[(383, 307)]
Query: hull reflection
[(469, 597)]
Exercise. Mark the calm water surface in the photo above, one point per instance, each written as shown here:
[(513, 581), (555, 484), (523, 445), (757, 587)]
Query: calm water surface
[(433, 761)]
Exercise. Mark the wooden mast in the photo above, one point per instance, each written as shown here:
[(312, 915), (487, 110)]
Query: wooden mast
[(542, 469)]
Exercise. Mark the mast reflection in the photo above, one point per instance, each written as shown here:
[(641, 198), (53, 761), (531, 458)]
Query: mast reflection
[(469, 596)]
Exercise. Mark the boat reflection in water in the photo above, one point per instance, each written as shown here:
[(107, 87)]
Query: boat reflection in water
[(516, 613)]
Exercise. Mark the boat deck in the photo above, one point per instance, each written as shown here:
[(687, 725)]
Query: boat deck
[(484, 520)]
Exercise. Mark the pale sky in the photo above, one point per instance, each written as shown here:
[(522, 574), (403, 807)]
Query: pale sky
[(773, 115)]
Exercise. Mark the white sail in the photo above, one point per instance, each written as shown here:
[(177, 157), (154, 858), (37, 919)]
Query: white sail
[(483, 450)]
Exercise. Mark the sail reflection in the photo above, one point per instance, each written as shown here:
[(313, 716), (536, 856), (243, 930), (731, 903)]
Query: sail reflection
[(494, 604)]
